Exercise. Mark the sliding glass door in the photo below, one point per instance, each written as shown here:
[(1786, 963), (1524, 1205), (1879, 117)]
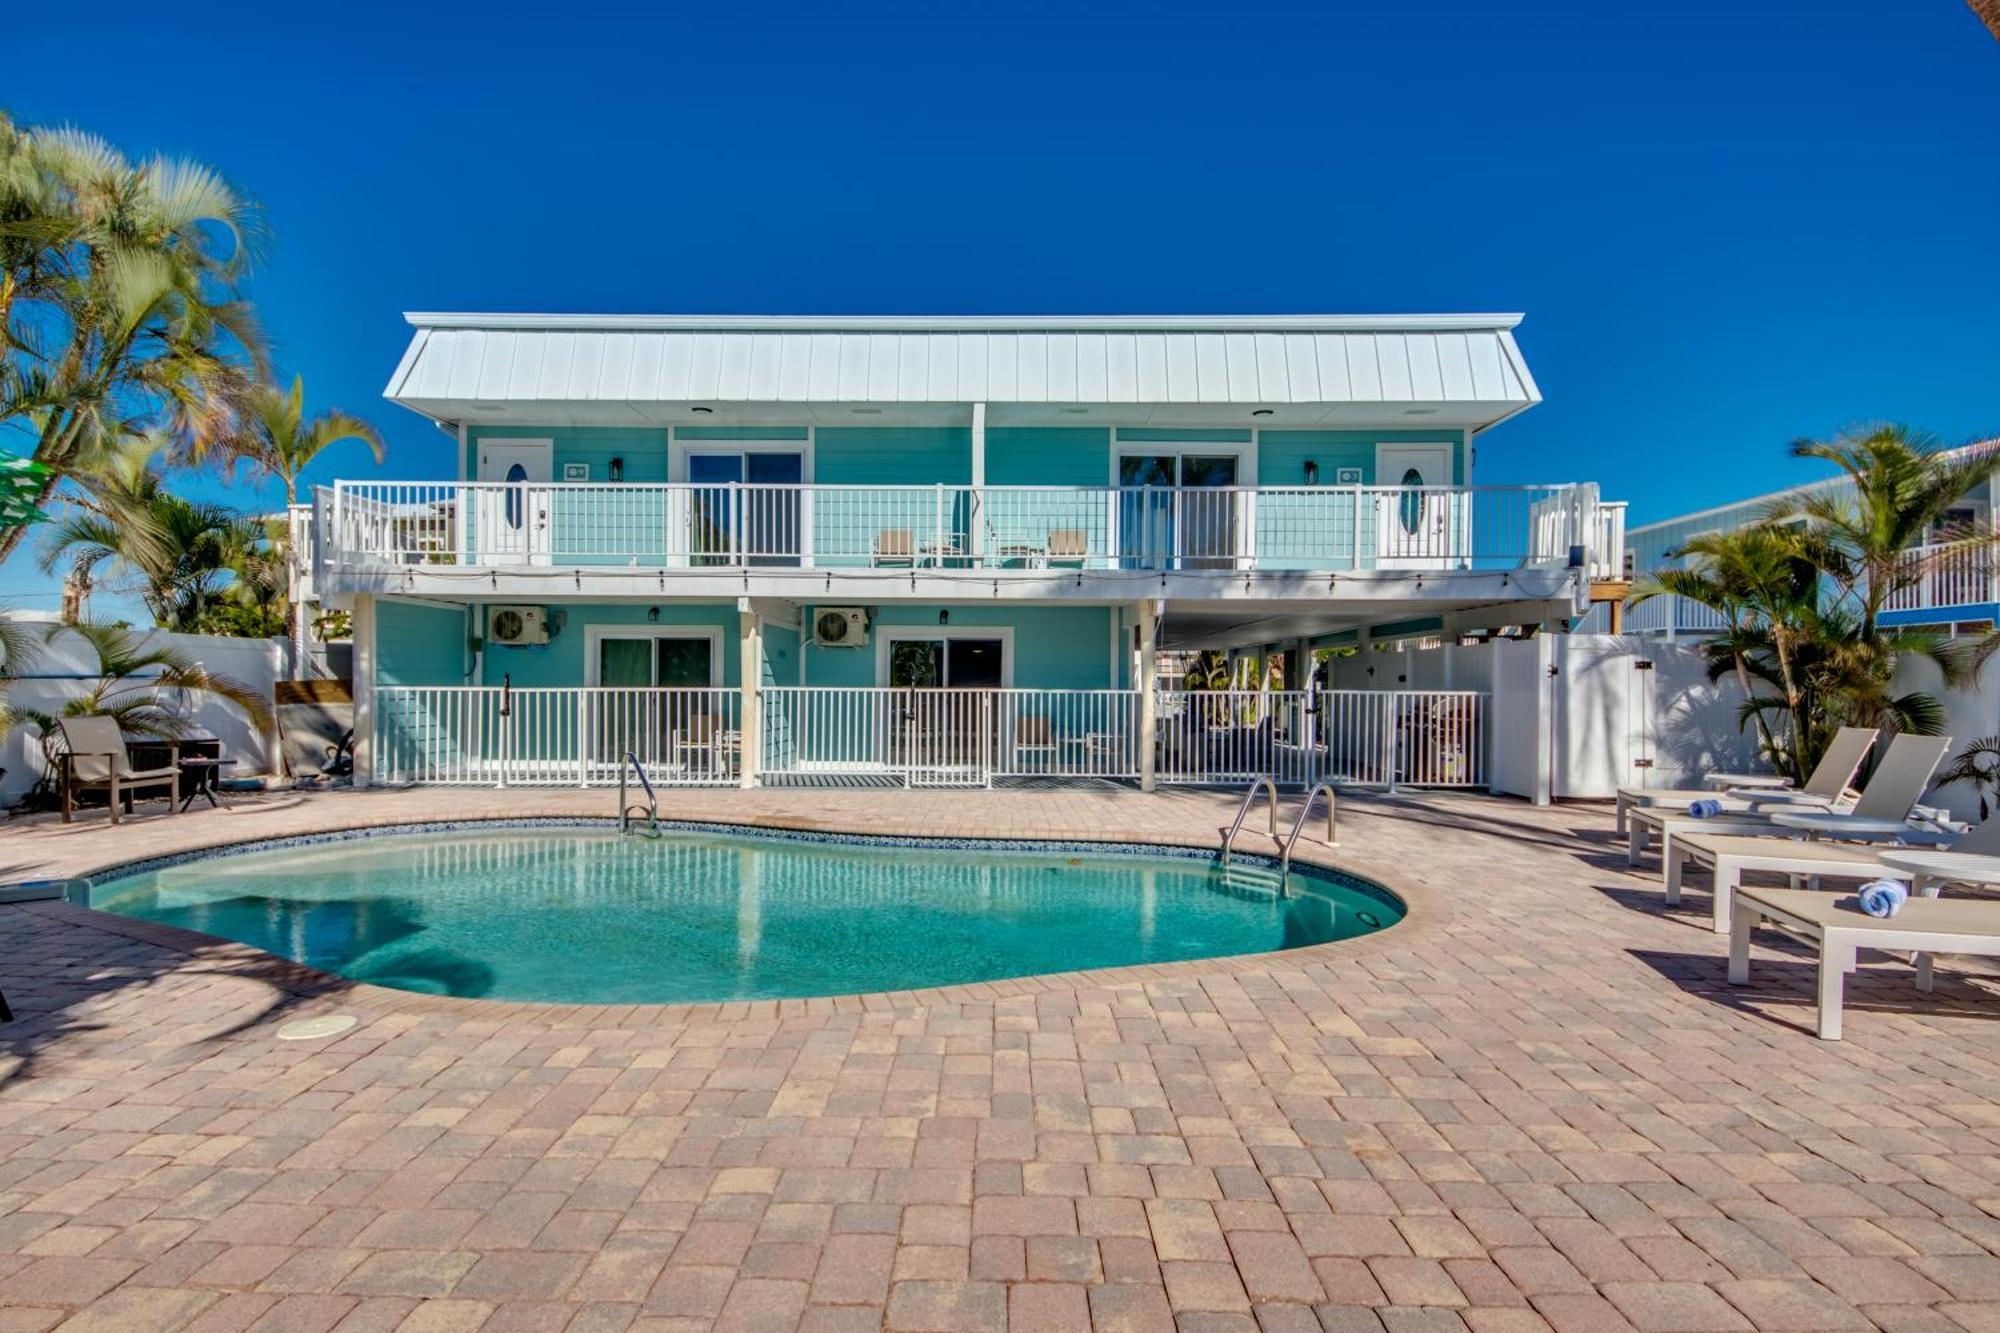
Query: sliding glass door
[(1164, 523), (763, 526)]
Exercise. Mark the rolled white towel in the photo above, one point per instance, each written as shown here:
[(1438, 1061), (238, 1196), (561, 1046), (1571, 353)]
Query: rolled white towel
[(1704, 808)]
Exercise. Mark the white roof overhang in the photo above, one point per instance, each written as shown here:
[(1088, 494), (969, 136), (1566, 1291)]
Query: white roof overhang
[(1463, 371)]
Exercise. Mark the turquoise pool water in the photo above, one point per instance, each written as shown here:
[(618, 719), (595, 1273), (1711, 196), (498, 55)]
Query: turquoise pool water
[(578, 916)]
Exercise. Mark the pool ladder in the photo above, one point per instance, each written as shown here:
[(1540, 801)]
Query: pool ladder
[(627, 810), (1269, 787)]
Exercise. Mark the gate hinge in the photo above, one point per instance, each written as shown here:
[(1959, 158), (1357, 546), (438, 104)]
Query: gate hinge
[(1642, 665), (1642, 763)]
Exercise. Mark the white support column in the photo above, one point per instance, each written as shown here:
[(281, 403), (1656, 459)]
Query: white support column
[(1148, 680), (750, 653), (363, 622), (977, 541), (1302, 662)]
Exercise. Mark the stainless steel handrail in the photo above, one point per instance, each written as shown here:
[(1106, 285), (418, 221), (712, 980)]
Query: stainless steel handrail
[(652, 800), (1270, 785), (1305, 813)]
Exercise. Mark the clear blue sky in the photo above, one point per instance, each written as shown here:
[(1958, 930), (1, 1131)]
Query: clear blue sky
[(1729, 222)]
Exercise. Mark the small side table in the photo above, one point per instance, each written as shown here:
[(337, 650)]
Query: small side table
[(1931, 871), (199, 775)]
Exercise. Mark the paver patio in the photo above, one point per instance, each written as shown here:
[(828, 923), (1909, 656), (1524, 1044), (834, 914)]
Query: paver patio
[(1533, 1105)]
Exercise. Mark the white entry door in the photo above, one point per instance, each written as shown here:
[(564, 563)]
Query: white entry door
[(1416, 526), (512, 519)]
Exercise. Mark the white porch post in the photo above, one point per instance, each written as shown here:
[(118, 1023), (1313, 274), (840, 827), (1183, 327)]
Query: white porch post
[(1149, 705), (1302, 662), (750, 652), (363, 621), (977, 516)]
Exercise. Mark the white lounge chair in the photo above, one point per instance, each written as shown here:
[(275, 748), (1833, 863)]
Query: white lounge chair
[(1825, 788), (1840, 929), (1843, 755), (1731, 856)]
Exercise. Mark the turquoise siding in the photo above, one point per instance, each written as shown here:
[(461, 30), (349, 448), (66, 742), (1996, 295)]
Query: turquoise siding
[(560, 661), (598, 529), (781, 656), (1048, 456), (418, 644), (1282, 454), (1055, 647)]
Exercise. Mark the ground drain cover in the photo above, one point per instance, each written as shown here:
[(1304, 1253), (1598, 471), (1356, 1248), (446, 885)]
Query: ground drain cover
[(313, 1029)]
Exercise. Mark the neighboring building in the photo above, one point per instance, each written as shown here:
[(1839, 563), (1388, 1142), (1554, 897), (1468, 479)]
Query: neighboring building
[(1960, 591), (939, 549)]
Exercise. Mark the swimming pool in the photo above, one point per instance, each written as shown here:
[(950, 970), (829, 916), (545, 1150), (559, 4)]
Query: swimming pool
[(585, 916)]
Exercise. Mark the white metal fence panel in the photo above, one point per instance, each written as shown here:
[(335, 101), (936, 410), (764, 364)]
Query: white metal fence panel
[(497, 736), (1433, 738), (487, 736)]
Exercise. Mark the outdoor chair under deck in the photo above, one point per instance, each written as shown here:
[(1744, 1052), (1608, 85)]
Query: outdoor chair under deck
[(1035, 737), (95, 760)]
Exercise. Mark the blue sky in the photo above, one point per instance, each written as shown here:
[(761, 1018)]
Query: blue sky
[(1729, 222)]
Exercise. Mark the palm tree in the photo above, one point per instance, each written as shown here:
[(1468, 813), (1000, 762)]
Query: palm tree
[(277, 440), (178, 550), (145, 688), (1903, 490), (1763, 584), (118, 301), (20, 649)]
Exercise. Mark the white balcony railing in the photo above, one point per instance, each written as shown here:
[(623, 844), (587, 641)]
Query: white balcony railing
[(486, 736), (1947, 575), (739, 525)]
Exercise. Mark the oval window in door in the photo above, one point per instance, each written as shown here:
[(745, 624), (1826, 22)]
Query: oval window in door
[(515, 476), (1412, 503)]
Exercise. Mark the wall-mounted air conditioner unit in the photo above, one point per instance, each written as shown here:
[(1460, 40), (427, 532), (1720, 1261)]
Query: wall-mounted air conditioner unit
[(840, 627)]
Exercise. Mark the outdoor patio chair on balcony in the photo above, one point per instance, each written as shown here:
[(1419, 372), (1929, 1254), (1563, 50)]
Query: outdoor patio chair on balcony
[(94, 759), (1069, 546), (895, 546)]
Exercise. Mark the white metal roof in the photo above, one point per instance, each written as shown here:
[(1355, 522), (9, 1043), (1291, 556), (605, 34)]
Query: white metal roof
[(462, 366)]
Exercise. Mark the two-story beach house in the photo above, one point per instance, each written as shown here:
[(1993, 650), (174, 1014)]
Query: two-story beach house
[(934, 550)]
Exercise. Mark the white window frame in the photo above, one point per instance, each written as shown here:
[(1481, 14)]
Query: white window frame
[(886, 635), (594, 635)]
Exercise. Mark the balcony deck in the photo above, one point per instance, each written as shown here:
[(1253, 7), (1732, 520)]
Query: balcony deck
[(1010, 531)]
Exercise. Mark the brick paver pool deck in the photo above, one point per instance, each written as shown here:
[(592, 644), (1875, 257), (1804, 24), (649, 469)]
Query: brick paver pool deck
[(1533, 1105)]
